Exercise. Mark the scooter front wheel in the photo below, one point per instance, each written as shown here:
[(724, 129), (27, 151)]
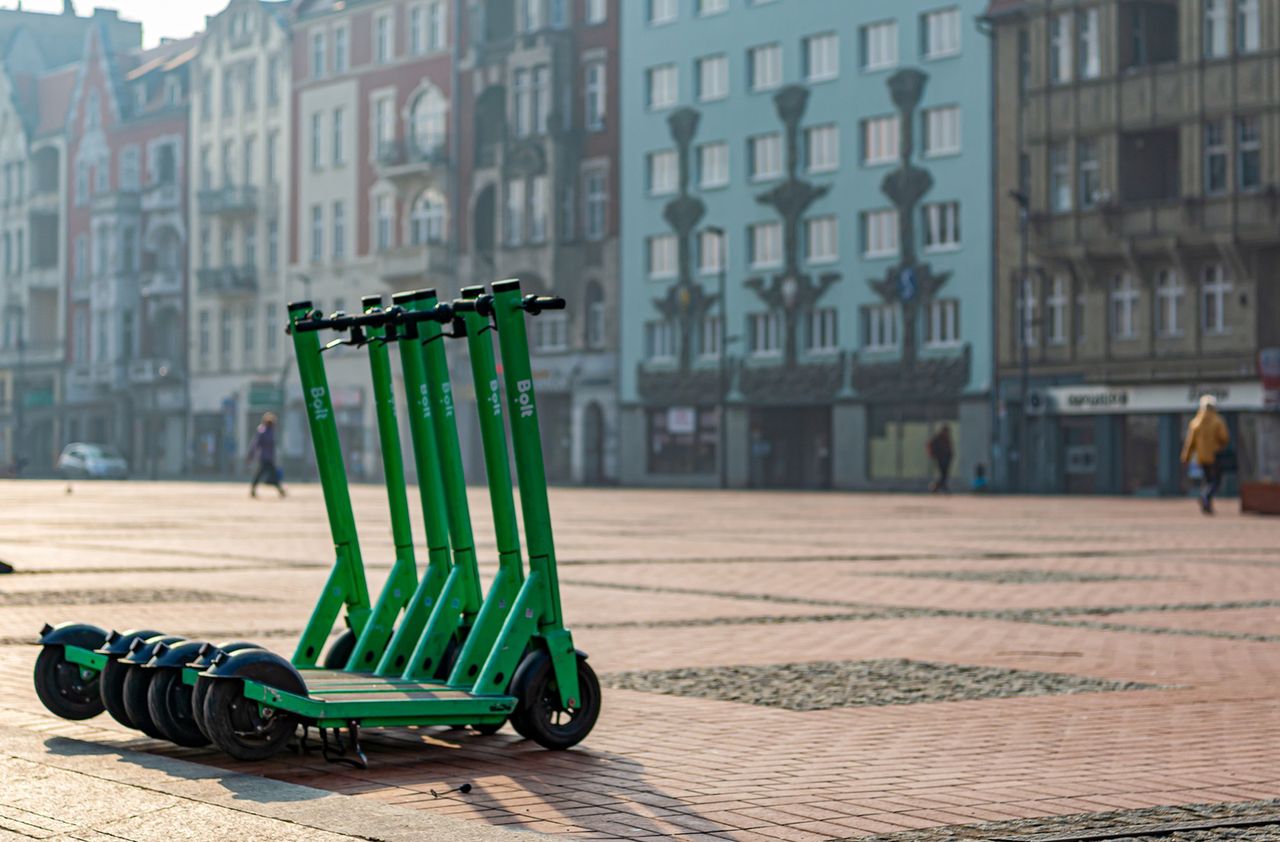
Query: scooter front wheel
[(241, 727), (540, 715), (66, 689), (135, 689), (169, 701)]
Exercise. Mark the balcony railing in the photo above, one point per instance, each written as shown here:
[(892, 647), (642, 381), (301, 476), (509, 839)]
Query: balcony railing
[(161, 197), (117, 201), (227, 280), (229, 200), (425, 261), (403, 158), (161, 282)]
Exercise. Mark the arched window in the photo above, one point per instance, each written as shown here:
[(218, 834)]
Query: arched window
[(427, 220), (430, 113)]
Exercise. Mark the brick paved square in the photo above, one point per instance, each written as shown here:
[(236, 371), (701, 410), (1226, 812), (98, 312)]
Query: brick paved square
[(1096, 595)]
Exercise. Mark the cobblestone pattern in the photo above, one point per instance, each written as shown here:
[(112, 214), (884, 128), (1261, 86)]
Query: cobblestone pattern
[(822, 685), (117, 596), (1027, 576), (1152, 823)]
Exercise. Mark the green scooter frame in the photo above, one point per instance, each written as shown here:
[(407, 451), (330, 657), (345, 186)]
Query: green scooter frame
[(530, 671)]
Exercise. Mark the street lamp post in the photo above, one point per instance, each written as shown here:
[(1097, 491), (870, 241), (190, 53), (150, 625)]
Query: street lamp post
[(1024, 325), (722, 407)]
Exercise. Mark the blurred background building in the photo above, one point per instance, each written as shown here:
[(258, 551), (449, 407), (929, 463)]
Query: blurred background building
[(1140, 138), (806, 264)]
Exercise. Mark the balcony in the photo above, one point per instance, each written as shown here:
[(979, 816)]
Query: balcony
[(408, 263), (227, 280), (402, 160), (229, 200), (44, 200), (148, 372), (31, 354), (161, 282), (87, 378), (117, 202), (162, 197)]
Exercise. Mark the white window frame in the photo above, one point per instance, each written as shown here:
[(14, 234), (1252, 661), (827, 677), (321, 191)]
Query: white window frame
[(943, 328), (764, 242), (713, 77), (879, 45), (660, 341), (880, 233), (1216, 22), (663, 83), (514, 212), (662, 252), (1170, 294), (1125, 300), (712, 251), (707, 8), (1027, 311), (822, 57), (1055, 304), (823, 335), (1061, 192), (384, 39), (940, 33), (941, 229), (764, 64), (662, 12), (765, 156), (341, 50), (595, 203), (1088, 43), (1215, 296), (1248, 27), (764, 334), (880, 327), (822, 239), (595, 95), (712, 177), (880, 140), (822, 148), (663, 171), (942, 131)]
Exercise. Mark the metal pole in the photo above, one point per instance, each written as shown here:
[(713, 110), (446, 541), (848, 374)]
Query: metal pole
[(723, 397), (19, 398), (1024, 361)]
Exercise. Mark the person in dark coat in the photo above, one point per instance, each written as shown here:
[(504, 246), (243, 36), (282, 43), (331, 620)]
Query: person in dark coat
[(941, 452), (263, 446)]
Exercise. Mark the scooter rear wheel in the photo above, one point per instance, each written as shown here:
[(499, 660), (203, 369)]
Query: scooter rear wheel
[(169, 701), (539, 714), (201, 689), (135, 688), (242, 727), (66, 689), (111, 685)]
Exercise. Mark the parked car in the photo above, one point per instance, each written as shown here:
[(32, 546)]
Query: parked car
[(92, 461)]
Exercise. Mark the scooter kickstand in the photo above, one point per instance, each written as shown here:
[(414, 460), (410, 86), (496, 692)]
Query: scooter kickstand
[(353, 757)]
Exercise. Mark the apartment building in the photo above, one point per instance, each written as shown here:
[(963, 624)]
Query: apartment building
[(126, 230), (806, 277), (36, 80), (241, 137), (537, 191), (372, 174), (1141, 138)]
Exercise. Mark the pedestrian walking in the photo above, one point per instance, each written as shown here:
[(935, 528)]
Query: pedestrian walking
[(264, 447), (941, 452), (1207, 440)]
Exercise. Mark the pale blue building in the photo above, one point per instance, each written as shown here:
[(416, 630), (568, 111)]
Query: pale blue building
[(829, 162)]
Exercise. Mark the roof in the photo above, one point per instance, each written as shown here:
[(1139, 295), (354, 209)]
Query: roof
[(167, 56), (53, 95), (60, 38)]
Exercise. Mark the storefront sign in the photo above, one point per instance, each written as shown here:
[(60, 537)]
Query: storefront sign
[(1116, 400), (1269, 368), (682, 420)]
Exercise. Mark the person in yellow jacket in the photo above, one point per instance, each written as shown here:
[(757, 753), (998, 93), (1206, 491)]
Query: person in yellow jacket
[(1207, 436)]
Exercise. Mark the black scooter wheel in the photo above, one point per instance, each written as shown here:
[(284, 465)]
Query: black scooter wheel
[(340, 652), (240, 726), (111, 686), (201, 690), (539, 714), (169, 701), (137, 683), (66, 689)]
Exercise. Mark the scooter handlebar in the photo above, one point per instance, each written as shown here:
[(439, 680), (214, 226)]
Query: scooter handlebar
[(535, 304)]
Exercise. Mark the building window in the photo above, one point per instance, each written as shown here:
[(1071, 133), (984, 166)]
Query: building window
[(596, 204), (821, 57), (228, 92), (713, 77), (823, 337), (426, 220), (206, 96), (1216, 155), (1056, 310), (822, 238), (662, 11), (430, 121), (596, 92), (1027, 313), (384, 125), (273, 244), (339, 156), (206, 246), (1060, 48), (130, 168), (539, 208), (1215, 293), (710, 252), (659, 341), (880, 141), (711, 7), (1169, 296), (597, 11), (1088, 44), (532, 15), (713, 165), (206, 340), (822, 148), (764, 334), (662, 256), (513, 221), (940, 33), (765, 66), (317, 55), (273, 81), (942, 323), (1248, 31), (1125, 297), (317, 140), (383, 46), (541, 99), (880, 327), (1089, 172), (1248, 154), (764, 241), (384, 222), (879, 233), (709, 337), (273, 153), (1215, 28), (250, 244), (880, 45), (942, 131), (339, 230), (550, 335), (941, 226), (522, 92), (341, 52), (764, 153), (663, 168), (1059, 178), (317, 233), (662, 84), (248, 158), (594, 327)]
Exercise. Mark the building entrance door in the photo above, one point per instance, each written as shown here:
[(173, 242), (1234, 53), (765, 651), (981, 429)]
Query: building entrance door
[(791, 447)]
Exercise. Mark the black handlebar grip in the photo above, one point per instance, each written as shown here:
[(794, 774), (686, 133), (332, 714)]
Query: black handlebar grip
[(551, 302), (464, 305)]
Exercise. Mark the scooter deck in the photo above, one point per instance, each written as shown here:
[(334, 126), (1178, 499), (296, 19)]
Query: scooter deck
[(386, 702)]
